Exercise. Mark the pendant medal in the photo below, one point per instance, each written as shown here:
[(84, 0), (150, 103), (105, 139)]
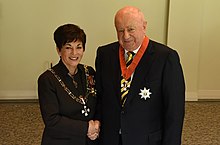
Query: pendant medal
[(85, 109), (125, 85)]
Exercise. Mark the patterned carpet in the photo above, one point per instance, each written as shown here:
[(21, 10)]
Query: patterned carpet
[(21, 123)]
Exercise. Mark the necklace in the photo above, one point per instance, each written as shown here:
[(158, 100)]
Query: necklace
[(82, 100), (72, 76)]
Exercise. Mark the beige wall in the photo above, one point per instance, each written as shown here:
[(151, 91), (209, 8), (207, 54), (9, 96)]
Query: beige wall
[(27, 47), (194, 30), (26, 42)]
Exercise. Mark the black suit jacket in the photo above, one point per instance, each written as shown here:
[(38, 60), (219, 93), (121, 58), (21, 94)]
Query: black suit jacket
[(64, 122), (158, 120)]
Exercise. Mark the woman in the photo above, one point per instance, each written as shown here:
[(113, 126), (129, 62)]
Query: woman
[(66, 93)]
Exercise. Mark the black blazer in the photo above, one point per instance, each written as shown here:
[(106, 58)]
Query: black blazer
[(64, 122), (158, 120)]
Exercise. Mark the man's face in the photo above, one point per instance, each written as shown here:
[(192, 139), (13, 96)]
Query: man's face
[(130, 31)]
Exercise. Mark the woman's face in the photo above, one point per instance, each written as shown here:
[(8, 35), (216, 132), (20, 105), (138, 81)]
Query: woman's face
[(71, 54)]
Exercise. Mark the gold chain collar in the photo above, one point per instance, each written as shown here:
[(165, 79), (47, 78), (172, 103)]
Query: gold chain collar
[(90, 87)]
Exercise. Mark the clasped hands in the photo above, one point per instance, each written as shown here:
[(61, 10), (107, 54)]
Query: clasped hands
[(93, 130)]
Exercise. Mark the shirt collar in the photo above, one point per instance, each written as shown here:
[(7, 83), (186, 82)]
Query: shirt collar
[(135, 51)]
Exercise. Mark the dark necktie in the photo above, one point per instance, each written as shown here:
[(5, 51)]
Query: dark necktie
[(125, 84)]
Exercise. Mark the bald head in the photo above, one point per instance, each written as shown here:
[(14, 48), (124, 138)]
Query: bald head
[(131, 11), (130, 26)]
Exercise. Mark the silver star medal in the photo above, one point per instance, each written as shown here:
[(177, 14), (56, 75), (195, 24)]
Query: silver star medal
[(145, 93), (85, 109)]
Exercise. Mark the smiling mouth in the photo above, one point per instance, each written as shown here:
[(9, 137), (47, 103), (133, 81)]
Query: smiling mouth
[(73, 58), (128, 41)]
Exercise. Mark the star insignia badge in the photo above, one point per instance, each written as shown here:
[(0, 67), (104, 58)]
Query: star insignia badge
[(145, 93)]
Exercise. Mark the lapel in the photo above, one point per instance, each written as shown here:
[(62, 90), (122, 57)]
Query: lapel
[(116, 73), (140, 73)]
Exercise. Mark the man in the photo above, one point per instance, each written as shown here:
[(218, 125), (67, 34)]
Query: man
[(141, 103)]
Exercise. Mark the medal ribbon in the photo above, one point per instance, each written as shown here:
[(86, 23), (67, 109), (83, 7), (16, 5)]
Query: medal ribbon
[(127, 72)]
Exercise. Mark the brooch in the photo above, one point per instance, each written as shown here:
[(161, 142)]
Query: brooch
[(145, 93)]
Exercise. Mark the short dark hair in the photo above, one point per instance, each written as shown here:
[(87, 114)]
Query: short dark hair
[(69, 33)]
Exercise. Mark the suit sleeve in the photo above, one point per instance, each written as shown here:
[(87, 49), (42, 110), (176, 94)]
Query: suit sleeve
[(174, 100), (98, 84), (57, 125)]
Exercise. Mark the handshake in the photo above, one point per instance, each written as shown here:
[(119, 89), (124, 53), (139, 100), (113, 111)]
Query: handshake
[(93, 130)]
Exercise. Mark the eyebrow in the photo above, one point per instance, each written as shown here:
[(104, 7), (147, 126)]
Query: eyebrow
[(68, 44)]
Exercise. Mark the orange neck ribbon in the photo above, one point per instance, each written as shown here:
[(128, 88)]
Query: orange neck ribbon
[(127, 72)]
